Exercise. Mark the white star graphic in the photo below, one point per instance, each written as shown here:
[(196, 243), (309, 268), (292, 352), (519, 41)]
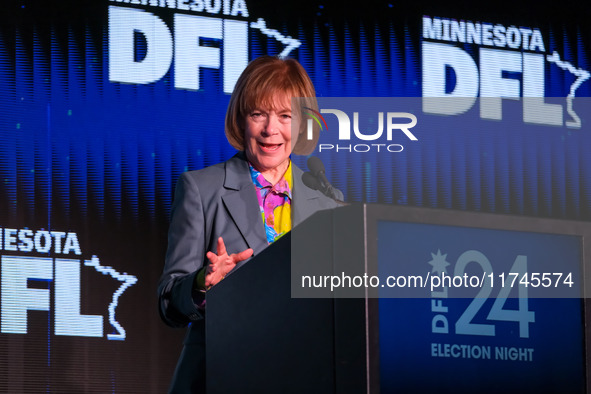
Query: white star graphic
[(438, 262)]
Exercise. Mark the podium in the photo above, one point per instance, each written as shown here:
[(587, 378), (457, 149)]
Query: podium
[(267, 334), (260, 339)]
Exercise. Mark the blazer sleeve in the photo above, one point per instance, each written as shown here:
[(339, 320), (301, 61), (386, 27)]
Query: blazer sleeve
[(179, 302)]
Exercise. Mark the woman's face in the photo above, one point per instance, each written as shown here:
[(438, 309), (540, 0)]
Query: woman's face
[(268, 137)]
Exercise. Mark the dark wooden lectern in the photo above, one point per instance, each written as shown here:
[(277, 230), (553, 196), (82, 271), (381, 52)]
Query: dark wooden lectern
[(261, 340)]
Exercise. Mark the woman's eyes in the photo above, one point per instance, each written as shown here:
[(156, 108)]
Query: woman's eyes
[(260, 116)]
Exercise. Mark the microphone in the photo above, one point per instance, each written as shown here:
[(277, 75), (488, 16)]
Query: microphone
[(311, 181), (316, 166), (316, 179)]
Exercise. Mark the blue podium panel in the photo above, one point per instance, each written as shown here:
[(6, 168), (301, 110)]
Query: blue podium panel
[(508, 318)]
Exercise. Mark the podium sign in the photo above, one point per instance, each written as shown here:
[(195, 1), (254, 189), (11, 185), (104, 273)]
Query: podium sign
[(502, 338)]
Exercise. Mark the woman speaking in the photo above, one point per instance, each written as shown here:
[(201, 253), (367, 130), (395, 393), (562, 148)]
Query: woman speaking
[(224, 214)]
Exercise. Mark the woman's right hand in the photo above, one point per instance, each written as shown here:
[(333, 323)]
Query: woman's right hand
[(221, 264)]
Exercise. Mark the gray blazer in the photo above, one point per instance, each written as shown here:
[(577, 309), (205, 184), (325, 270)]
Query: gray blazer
[(217, 201)]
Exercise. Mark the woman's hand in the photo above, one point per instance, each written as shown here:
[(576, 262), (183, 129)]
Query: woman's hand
[(222, 263)]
